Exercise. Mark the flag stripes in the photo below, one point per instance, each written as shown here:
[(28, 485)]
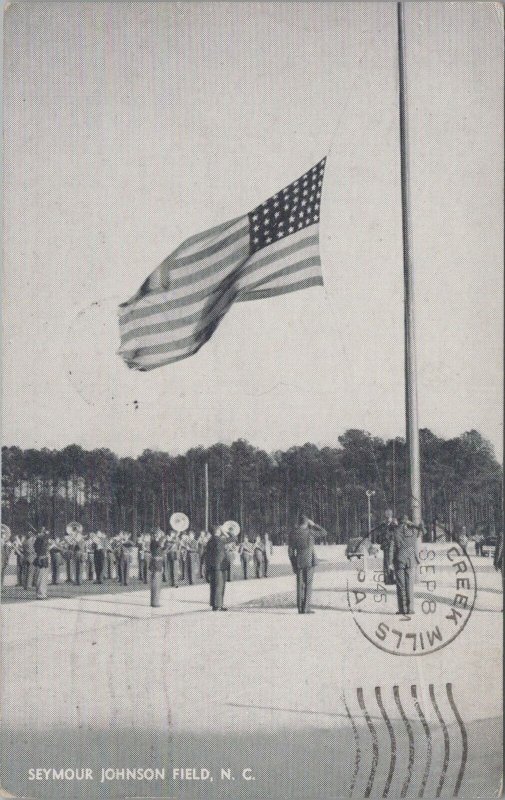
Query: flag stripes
[(266, 253)]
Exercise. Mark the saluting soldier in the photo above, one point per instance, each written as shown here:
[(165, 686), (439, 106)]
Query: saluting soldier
[(171, 560), (216, 559), (56, 547), (302, 555), (41, 547), (403, 558), (245, 550)]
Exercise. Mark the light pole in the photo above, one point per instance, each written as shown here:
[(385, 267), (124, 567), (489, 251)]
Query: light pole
[(369, 494)]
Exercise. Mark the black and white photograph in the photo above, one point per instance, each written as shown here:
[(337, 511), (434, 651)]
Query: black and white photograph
[(252, 370)]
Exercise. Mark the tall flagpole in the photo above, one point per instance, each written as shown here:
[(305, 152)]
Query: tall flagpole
[(412, 423)]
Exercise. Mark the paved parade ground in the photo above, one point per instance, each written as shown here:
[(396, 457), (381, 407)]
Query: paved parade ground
[(261, 700)]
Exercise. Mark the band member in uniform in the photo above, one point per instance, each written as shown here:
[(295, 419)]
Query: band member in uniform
[(231, 549), (29, 557), (403, 557), (99, 544), (144, 555), (109, 558), (172, 559), (80, 557), (68, 557), (191, 556), (89, 556), (158, 545), (125, 555), (258, 553), (6, 550), (302, 555), (41, 547), (56, 546), (115, 547), (267, 552), (245, 550), (201, 544), (17, 545), (183, 538), (216, 560)]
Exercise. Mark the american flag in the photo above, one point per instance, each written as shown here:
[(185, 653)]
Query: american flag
[(271, 251)]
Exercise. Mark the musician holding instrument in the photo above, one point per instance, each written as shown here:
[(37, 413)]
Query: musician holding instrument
[(125, 556), (158, 546), (17, 546), (172, 559), (201, 544), (56, 547), (29, 557), (191, 556), (98, 546), (144, 555), (6, 550), (246, 553), (41, 547)]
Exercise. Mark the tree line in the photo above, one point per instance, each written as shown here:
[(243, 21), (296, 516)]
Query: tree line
[(461, 479)]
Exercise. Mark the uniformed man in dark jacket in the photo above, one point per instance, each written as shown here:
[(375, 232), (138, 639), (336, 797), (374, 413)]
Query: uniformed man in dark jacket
[(403, 558), (302, 555), (216, 561)]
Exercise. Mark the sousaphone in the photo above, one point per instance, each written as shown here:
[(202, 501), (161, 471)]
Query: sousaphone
[(179, 522), (74, 531)]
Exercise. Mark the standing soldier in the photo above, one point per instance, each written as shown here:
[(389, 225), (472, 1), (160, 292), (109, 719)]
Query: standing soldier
[(302, 555), (56, 546), (216, 560), (403, 557), (245, 550), (29, 557), (172, 559), (41, 547), (158, 545)]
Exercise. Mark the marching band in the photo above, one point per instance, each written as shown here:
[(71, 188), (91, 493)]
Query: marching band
[(174, 557)]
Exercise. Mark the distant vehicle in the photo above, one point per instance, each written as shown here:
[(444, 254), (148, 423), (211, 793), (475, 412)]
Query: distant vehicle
[(356, 547), (489, 546)]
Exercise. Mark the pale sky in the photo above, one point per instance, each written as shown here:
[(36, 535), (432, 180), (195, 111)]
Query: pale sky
[(129, 127)]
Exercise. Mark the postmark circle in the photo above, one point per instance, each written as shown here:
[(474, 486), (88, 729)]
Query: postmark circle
[(444, 595)]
